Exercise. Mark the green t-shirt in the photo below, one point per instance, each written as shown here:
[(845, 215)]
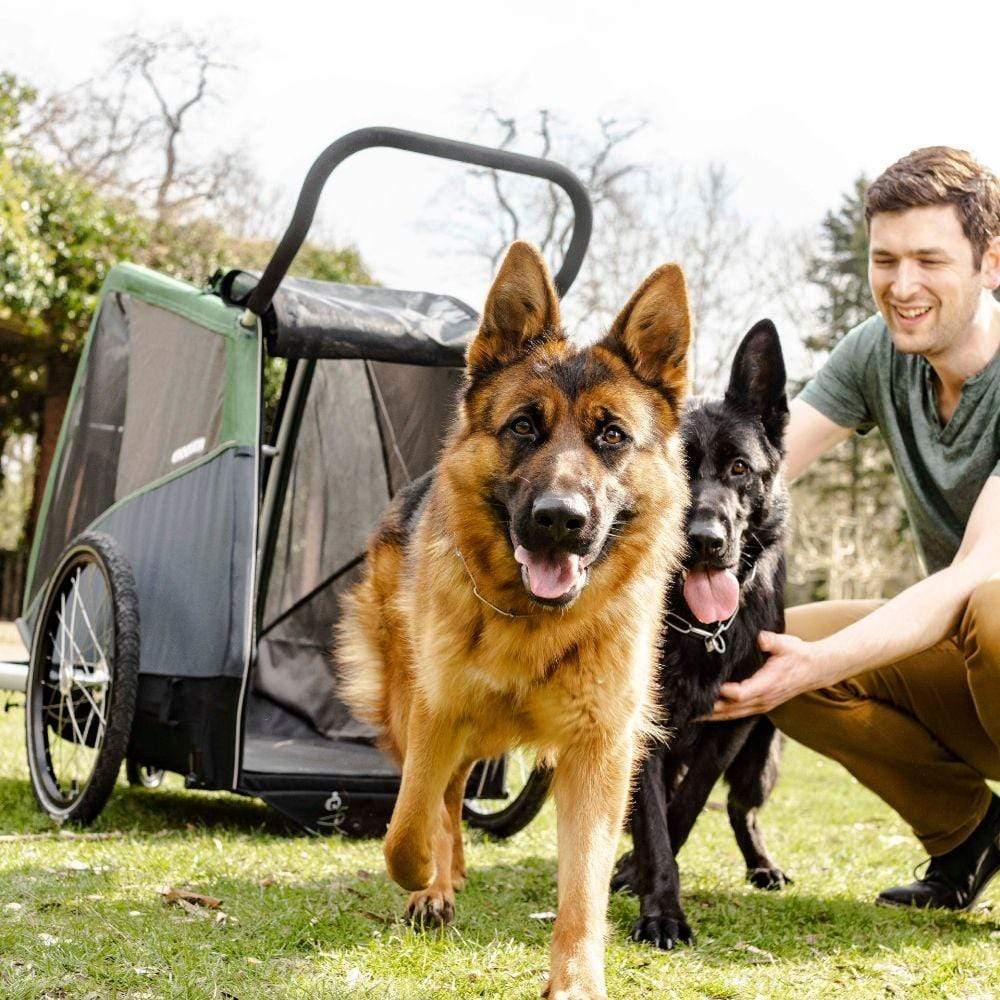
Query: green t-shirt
[(867, 383)]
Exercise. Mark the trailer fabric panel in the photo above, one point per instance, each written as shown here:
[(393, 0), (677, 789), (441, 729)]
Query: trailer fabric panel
[(295, 669), (322, 319), (176, 381), (189, 542), (149, 400)]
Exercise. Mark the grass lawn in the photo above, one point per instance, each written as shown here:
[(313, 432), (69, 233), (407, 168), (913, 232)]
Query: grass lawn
[(306, 918)]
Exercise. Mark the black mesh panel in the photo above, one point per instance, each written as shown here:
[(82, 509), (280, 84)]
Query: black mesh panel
[(368, 429), (84, 483)]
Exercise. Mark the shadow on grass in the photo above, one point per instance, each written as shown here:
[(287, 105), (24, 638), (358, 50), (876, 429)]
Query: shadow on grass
[(359, 912), (140, 810), (794, 925)]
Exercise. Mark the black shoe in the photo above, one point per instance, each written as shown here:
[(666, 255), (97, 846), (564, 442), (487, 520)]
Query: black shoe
[(954, 880)]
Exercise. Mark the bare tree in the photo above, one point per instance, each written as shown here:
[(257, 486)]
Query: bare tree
[(643, 215), (488, 209), (141, 129)]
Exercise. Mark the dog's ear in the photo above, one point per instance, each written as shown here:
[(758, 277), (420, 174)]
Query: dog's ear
[(522, 306), (655, 331), (757, 380)]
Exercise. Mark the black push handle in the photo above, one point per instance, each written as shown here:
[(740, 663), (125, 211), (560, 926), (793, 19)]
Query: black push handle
[(429, 145)]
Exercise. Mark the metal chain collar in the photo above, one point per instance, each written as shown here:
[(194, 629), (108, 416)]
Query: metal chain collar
[(714, 640)]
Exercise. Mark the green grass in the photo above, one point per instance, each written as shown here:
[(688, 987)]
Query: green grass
[(310, 918)]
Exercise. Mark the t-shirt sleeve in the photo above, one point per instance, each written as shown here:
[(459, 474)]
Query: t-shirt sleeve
[(843, 389)]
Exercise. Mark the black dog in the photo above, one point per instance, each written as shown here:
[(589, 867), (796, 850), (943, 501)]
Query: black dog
[(731, 587)]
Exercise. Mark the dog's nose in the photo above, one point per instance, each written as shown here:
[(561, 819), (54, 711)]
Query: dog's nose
[(560, 517), (707, 538)]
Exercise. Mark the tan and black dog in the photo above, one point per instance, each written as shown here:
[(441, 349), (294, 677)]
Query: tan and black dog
[(513, 596)]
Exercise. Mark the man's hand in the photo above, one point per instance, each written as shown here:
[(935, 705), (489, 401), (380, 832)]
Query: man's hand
[(793, 667)]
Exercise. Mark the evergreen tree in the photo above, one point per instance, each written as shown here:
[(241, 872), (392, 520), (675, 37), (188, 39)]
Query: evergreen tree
[(851, 532)]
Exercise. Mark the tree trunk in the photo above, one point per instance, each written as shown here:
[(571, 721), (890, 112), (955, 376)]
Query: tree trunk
[(53, 409)]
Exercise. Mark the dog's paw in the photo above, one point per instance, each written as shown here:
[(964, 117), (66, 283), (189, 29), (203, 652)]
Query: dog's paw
[(769, 878), (625, 876), (430, 908), (662, 932)]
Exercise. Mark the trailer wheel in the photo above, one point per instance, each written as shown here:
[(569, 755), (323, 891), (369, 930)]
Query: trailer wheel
[(142, 775), (528, 783), (82, 680)]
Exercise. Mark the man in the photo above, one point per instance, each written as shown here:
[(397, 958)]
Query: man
[(906, 693)]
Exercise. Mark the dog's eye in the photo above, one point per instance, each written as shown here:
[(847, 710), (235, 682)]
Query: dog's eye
[(739, 467), (523, 427), (612, 435)]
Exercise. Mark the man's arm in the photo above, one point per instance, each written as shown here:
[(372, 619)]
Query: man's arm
[(809, 434), (919, 617)]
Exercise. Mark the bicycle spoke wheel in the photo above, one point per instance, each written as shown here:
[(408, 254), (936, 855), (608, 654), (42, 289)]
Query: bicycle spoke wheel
[(82, 681), (527, 786)]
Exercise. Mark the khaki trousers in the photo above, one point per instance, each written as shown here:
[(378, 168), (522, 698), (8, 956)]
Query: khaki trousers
[(922, 733)]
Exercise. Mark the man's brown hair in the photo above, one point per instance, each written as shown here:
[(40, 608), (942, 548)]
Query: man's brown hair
[(941, 175)]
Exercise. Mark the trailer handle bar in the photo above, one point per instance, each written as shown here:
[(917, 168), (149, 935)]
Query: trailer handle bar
[(428, 145)]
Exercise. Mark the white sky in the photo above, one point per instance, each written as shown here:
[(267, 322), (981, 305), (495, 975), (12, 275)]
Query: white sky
[(795, 98)]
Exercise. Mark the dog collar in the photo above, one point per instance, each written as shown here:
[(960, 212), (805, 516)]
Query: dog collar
[(475, 590)]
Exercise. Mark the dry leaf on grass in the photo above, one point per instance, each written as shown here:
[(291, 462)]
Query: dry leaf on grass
[(195, 911), (191, 898), (756, 955)]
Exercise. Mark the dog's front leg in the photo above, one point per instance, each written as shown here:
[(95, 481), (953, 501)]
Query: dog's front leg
[(661, 919), (435, 746), (591, 791)]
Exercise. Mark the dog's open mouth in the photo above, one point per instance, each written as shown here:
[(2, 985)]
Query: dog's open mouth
[(552, 576), (712, 594)]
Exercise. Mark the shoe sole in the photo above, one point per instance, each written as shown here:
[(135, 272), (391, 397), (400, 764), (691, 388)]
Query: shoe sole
[(946, 909)]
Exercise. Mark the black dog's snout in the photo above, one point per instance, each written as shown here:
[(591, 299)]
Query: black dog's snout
[(706, 538), (560, 517)]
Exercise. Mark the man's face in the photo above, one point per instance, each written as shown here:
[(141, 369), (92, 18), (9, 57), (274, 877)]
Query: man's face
[(923, 278)]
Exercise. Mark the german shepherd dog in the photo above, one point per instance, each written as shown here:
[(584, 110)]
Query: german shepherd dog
[(514, 596), (734, 573)]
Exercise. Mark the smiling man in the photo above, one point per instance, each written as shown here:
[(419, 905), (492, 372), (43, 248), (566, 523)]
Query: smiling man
[(906, 693)]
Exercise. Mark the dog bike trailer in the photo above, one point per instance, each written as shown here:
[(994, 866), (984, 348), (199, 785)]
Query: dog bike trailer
[(186, 570)]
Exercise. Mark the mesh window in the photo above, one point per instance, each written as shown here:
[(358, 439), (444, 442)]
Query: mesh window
[(173, 408), (368, 429), (84, 484), (337, 487), (149, 403)]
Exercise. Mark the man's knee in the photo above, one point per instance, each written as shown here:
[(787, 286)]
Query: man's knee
[(980, 628), (816, 621)]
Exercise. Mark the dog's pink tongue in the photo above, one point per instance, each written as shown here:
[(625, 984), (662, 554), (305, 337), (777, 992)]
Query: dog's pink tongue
[(713, 595), (549, 577)]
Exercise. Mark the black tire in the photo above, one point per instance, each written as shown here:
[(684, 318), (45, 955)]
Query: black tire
[(66, 691), (143, 776), (518, 811)]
